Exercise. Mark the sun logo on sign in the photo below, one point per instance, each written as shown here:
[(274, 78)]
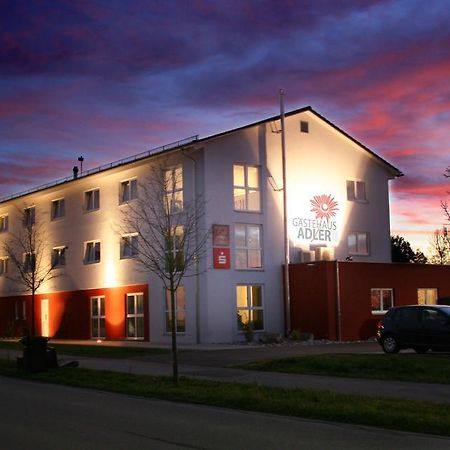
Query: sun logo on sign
[(324, 206)]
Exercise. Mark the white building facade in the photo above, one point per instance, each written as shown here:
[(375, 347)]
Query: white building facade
[(337, 208)]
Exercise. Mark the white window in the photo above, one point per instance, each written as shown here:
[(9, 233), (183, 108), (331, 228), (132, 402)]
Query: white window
[(129, 245), (59, 256), (173, 188), (356, 190), (92, 252), (92, 200), (381, 300), (248, 246), (3, 265), (427, 296), (29, 217), (249, 303), (29, 262), (4, 223), (135, 316), (98, 329), (180, 311), (246, 192), (128, 190), (174, 249), (358, 243), (58, 209)]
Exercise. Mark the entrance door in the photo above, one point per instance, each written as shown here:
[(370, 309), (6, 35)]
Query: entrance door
[(44, 318)]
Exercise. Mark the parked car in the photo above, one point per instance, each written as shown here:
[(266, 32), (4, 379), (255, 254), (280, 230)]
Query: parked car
[(420, 327)]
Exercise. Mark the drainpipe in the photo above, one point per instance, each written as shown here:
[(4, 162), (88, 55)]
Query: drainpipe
[(338, 303), (197, 280)]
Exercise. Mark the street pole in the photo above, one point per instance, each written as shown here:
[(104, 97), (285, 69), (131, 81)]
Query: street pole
[(287, 296)]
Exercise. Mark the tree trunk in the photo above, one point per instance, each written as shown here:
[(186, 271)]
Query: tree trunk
[(33, 326), (174, 335)]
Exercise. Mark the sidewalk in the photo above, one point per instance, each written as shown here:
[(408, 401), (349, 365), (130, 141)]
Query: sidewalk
[(214, 364)]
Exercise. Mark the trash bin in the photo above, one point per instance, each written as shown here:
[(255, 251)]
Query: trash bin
[(37, 356)]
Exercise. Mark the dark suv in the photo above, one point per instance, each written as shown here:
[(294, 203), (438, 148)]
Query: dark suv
[(420, 327)]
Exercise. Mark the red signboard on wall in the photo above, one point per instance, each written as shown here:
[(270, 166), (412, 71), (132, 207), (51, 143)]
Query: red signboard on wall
[(221, 258)]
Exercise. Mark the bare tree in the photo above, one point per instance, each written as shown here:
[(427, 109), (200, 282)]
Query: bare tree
[(440, 246), (169, 240), (28, 251)]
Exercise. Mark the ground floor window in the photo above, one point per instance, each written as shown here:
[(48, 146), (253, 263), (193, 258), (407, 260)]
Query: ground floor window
[(249, 307), (20, 309), (427, 296), (381, 299), (180, 311), (98, 329), (135, 316)]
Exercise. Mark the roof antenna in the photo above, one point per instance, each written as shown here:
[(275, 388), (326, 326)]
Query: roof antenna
[(81, 159)]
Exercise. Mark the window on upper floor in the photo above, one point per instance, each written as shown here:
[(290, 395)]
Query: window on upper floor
[(29, 216), (92, 252), (4, 222), (59, 256), (128, 190), (248, 243), (58, 209), (381, 300), (129, 245), (29, 262), (358, 243), (4, 261), (246, 188), (92, 200), (175, 249), (356, 190), (173, 188)]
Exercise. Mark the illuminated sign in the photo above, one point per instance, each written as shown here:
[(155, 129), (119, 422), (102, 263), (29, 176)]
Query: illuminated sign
[(319, 227)]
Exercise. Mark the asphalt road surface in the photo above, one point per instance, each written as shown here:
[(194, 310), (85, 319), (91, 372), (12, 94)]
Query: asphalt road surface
[(39, 416)]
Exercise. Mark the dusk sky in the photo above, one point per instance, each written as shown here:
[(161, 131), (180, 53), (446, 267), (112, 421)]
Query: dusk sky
[(110, 78)]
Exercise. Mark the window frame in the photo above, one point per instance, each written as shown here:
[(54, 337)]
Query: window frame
[(178, 310), (382, 309), (99, 317), (174, 189), (58, 257), (134, 248), (247, 248), (4, 223), (58, 209), (359, 252), (353, 191), (248, 190), (29, 262), (427, 290), (126, 190), (250, 307), (29, 219), (4, 265), (135, 316), (20, 309), (90, 200), (176, 247), (92, 244)]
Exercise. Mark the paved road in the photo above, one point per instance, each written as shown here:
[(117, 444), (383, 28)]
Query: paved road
[(47, 417)]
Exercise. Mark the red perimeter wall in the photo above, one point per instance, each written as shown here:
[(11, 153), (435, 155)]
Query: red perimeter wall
[(69, 313), (314, 294)]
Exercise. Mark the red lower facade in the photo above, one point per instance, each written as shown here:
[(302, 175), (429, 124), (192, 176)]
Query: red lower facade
[(332, 299), (72, 315)]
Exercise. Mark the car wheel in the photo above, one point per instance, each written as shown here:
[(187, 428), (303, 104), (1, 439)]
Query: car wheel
[(420, 349), (390, 345)]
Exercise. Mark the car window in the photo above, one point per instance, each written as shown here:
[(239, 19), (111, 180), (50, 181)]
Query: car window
[(406, 316), (433, 318)]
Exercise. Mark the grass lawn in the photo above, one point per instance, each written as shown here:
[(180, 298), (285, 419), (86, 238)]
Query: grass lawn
[(407, 415), (429, 368), (96, 351)]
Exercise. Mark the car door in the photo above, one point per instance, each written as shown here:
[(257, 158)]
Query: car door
[(408, 326), (436, 328)]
